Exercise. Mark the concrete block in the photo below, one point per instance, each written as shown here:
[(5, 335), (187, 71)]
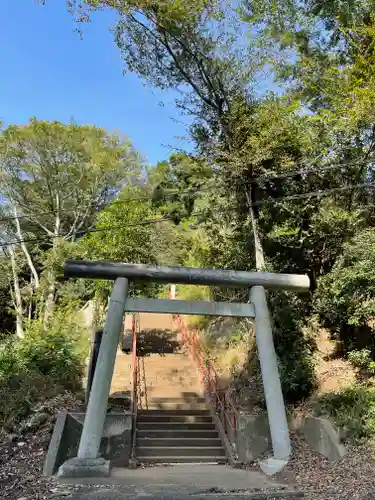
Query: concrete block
[(85, 467), (253, 437), (54, 445), (272, 466), (115, 443), (120, 399), (127, 341), (64, 442), (323, 438)]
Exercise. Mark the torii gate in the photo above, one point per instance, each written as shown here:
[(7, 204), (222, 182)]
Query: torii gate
[(88, 452)]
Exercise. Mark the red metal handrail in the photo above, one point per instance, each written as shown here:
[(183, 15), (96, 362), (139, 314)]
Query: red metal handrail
[(134, 365), (134, 384), (224, 407)]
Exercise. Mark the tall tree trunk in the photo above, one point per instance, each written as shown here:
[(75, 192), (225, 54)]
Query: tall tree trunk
[(259, 252), (17, 299), (25, 250), (31, 298), (50, 302)]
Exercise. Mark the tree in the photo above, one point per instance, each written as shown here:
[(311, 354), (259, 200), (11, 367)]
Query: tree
[(131, 230), (345, 298), (54, 179), (177, 184), (194, 47), (283, 168)]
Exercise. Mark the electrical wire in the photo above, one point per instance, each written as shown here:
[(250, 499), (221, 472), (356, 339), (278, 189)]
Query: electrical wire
[(310, 170), (312, 194), (172, 192), (144, 222), (109, 204), (167, 218)]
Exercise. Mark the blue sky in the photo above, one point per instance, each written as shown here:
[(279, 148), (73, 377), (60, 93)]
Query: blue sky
[(48, 72)]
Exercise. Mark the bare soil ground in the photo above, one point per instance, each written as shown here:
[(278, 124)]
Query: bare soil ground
[(332, 373), (352, 478), (23, 449)]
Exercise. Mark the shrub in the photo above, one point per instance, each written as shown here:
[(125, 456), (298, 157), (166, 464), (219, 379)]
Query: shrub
[(293, 347), (362, 360), (42, 364), (352, 410), (194, 292), (9, 362), (345, 298), (57, 353)]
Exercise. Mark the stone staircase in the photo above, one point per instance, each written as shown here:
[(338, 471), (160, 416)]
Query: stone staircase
[(174, 424), (178, 436), (168, 377)]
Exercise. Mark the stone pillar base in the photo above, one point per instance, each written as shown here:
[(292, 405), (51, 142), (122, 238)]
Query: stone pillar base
[(272, 466), (85, 467)]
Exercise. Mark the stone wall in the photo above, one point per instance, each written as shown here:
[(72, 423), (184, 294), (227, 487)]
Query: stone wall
[(115, 445), (253, 437)]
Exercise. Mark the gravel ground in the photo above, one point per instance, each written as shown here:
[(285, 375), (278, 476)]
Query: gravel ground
[(23, 449), (352, 478)]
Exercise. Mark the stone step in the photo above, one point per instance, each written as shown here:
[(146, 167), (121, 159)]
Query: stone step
[(156, 406), (199, 459), (178, 411), (183, 442), (180, 433), (173, 417), (186, 402), (186, 397), (154, 425), (187, 451)]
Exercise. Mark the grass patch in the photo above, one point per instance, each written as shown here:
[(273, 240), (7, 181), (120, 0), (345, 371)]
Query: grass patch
[(352, 410), (195, 292)]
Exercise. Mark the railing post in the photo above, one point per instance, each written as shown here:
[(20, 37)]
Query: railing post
[(134, 365), (98, 401), (270, 376), (95, 346)]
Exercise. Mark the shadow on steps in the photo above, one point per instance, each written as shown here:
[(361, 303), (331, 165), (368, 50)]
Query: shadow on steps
[(187, 400), (157, 341)]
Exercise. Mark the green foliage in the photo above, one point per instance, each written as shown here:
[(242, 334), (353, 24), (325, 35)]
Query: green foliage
[(122, 235), (352, 410), (345, 298), (278, 168), (362, 360), (195, 292), (54, 179), (176, 185), (42, 364), (59, 352), (293, 347), (9, 361), (7, 320), (62, 172)]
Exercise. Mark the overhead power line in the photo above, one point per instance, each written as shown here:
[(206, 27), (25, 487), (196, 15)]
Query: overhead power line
[(144, 222), (172, 192), (311, 170), (167, 218), (313, 194), (30, 215)]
